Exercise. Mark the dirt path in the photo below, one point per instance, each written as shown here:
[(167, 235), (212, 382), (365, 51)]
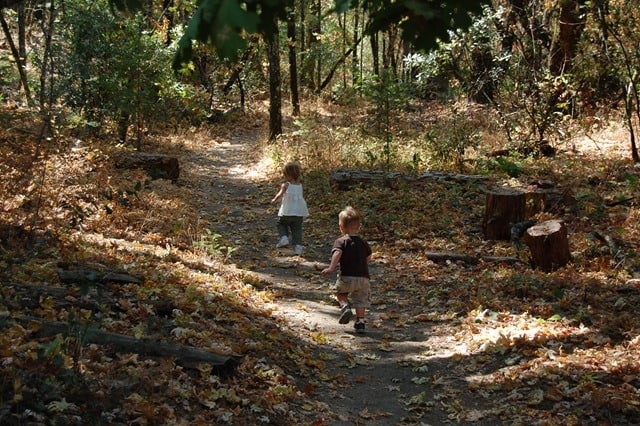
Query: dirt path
[(393, 374)]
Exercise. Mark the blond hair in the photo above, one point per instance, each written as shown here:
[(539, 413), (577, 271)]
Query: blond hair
[(349, 217)]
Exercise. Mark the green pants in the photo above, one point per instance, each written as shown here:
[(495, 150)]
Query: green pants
[(293, 225)]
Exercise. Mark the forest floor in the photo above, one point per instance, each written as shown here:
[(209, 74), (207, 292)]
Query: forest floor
[(447, 342), (374, 375), (415, 364)]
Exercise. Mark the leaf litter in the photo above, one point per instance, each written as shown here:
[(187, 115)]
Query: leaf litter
[(446, 342)]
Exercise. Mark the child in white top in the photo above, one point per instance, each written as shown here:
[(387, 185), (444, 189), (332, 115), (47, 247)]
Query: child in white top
[(293, 209)]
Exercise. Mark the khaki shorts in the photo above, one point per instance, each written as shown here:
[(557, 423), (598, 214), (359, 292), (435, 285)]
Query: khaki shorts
[(358, 288)]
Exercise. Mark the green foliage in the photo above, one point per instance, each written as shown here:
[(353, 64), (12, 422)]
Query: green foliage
[(432, 80), (510, 167), (387, 95), (213, 246), (225, 23), (115, 69), (422, 22), (449, 138)]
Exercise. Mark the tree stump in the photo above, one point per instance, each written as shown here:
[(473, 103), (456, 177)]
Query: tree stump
[(548, 244), (535, 201), (159, 166), (503, 207)]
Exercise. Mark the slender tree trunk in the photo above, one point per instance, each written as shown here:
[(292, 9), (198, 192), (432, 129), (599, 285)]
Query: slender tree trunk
[(318, 30), (22, 33), (374, 53), (17, 59), (293, 63), (601, 10), (275, 84), (391, 50), (385, 55), (335, 66), (564, 47), (302, 10), (631, 96), (356, 29), (308, 44), (342, 20)]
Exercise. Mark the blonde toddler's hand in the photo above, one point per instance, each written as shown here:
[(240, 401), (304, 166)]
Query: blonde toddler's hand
[(326, 271)]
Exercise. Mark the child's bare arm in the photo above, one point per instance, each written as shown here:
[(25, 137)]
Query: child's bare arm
[(335, 260), (280, 193)]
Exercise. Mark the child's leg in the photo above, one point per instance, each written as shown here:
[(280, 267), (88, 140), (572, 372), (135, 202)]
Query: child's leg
[(345, 309), (283, 227), (360, 312), (342, 299), (296, 230)]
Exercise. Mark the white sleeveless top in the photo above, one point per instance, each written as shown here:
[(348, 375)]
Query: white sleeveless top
[(293, 203)]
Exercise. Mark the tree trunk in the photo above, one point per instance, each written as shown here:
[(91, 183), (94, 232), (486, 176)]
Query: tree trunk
[(275, 89), (85, 276), (335, 66), (235, 75), (16, 58), (293, 63), (355, 74), (22, 33), (318, 28), (375, 53), (47, 69), (548, 244), (392, 49), (570, 28), (503, 207), (303, 24), (347, 178)]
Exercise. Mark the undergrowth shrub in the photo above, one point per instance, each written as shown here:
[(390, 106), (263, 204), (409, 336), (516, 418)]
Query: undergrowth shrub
[(449, 139), (116, 70)]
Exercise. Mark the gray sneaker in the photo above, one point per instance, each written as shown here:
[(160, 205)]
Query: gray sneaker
[(283, 242), (346, 315), (359, 326)]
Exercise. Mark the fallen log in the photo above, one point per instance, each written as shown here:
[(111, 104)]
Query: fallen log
[(345, 178), (187, 356), (472, 260), (614, 248), (84, 276), (159, 166)]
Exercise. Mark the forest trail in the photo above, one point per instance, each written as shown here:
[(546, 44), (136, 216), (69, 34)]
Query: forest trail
[(391, 375)]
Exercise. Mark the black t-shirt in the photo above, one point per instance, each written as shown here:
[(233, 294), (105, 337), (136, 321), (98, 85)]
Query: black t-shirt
[(353, 261)]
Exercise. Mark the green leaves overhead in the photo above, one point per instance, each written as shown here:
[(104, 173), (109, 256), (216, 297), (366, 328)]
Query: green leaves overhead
[(225, 23), (423, 22), (221, 23)]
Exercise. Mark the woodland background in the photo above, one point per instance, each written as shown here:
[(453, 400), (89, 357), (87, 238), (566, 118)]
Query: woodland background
[(499, 94)]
